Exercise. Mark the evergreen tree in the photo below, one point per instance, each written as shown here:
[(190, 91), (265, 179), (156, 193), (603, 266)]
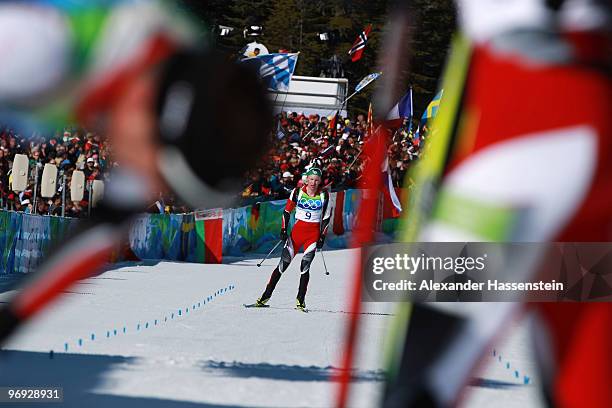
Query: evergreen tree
[(282, 27), (434, 25), (294, 24), (360, 13)]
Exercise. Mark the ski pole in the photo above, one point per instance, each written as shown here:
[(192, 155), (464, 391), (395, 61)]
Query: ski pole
[(323, 258), (269, 253)]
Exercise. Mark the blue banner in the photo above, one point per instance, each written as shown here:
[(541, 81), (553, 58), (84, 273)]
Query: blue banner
[(25, 239)]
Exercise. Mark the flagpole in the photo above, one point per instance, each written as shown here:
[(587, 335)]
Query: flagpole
[(350, 96), (284, 102), (395, 134), (287, 93), (411, 113), (356, 157), (329, 113), (342, 104), (359, 154)]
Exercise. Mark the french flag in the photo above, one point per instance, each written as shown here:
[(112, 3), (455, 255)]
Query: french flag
[(402, 110), (389, 190)]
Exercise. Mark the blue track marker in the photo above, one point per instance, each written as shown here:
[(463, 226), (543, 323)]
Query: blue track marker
[(180, 313)]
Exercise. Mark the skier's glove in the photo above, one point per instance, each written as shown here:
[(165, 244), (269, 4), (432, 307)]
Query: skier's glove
[(320, 242), (283, 234)]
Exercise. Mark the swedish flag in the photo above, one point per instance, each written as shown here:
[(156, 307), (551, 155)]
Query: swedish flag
[(432, 108)]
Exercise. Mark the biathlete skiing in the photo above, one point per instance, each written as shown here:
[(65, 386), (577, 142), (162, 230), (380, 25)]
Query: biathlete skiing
[(312, 215)]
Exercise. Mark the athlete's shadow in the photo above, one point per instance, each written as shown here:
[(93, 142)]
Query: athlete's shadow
[(492, 384), (9, 282), (80, 375), (284, 372)]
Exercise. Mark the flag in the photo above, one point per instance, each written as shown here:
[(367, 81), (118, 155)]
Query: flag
[(280, 133), (333, 128), (209, 231), (402, 110), (370, 121), (417, 135), (254, 218), (358, 47), (432, 109), (274, 69), (366, 81), (338, 223), (389, 190)]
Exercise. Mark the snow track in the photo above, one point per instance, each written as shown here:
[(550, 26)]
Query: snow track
[(177, 335)]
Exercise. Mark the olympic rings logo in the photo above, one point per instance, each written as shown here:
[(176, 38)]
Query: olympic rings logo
[(310, 204)]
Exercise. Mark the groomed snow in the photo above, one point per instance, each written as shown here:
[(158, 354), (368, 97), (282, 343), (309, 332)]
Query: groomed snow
[(216, 353)]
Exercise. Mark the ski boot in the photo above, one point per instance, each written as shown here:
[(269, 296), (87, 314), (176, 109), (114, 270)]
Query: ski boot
[(300, 305), (261, 302)]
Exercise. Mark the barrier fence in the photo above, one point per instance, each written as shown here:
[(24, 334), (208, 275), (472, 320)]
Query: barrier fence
[(25, 238), (203, 236)]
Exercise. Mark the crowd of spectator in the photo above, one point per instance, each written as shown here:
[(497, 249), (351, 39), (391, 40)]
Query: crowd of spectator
[(335, 143), (167, 203), (69, 151)]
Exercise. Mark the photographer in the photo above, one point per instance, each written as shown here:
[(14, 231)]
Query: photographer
[(165, 105)]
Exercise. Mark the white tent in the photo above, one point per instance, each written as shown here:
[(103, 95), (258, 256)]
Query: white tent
[(312, 95)]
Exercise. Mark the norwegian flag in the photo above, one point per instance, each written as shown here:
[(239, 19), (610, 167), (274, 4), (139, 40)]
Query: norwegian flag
[(358, 47)]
